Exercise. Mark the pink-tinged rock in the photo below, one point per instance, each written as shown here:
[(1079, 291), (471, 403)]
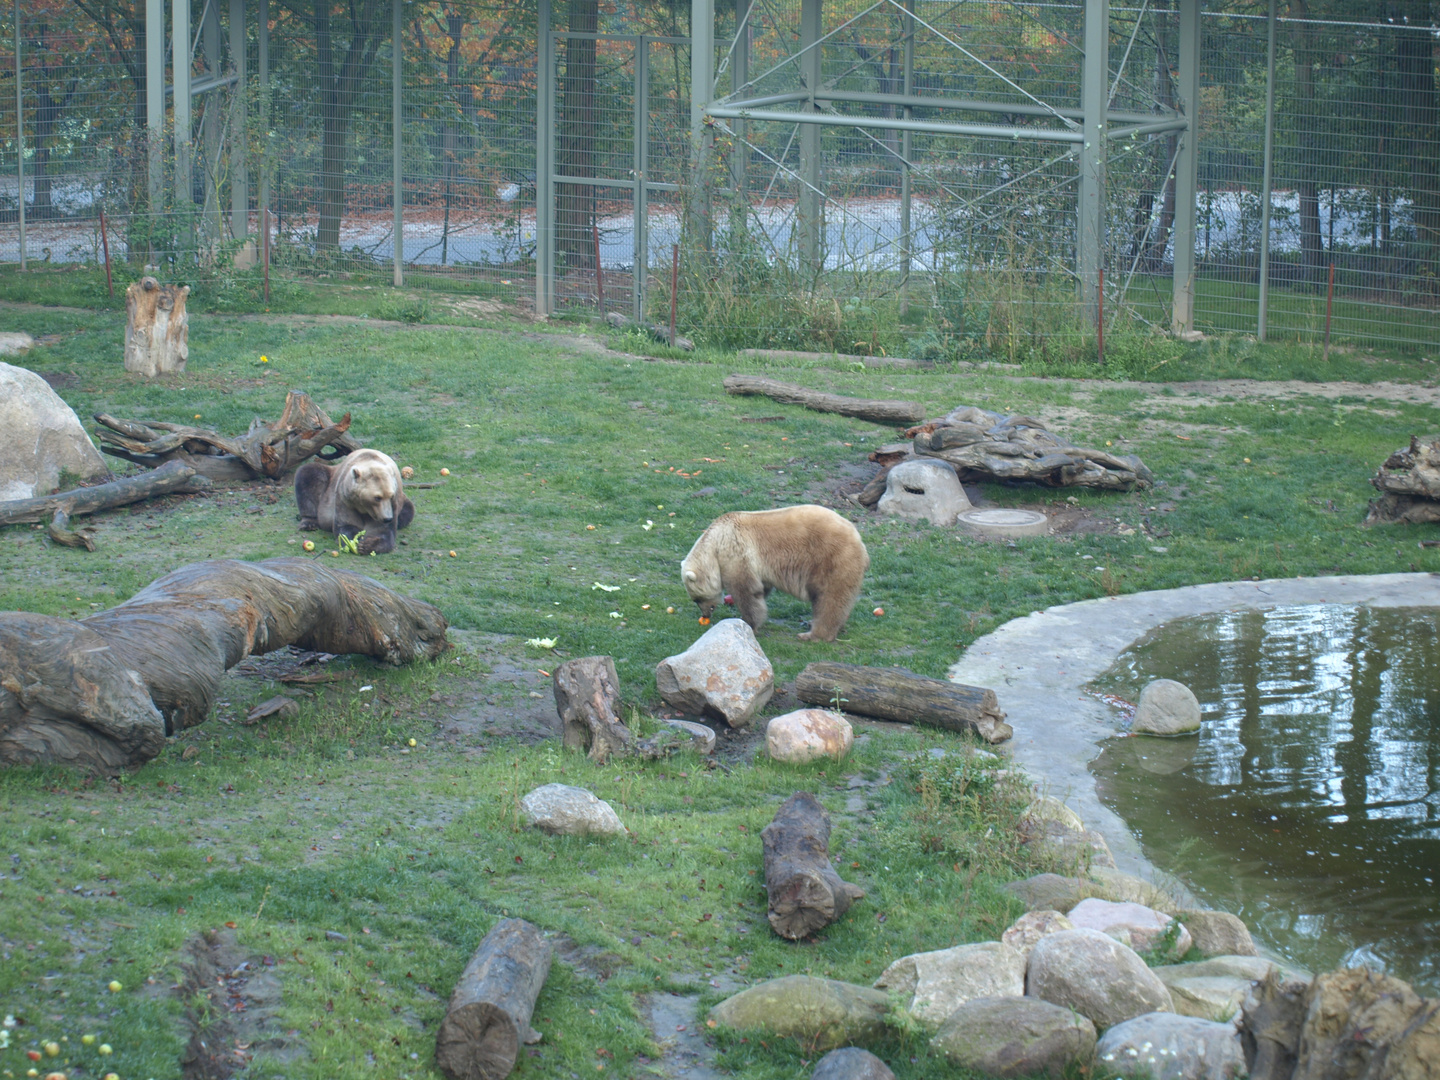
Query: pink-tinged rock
[(1138, 926), (725, 675), (807, 734)]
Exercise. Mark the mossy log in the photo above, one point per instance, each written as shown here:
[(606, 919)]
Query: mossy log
[(877, 412), (103, 692), (897, 694), (806, 894), (489, 1013)]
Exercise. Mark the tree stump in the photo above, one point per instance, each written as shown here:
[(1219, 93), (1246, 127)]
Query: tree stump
[(586, 693), (489, 1013), (806, 893), (157, 328), (897, 694)]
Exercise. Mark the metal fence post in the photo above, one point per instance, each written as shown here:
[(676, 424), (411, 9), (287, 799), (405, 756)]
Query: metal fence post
[(544, 164), (210, 31), (239, 136), (1269, 179), (262, 48), (180, 62), (907, 247), (1187, 165), (155, 104), (397, 140), (639, 276), (808, 206), (19, 136), (1090, 211), (702, 136)]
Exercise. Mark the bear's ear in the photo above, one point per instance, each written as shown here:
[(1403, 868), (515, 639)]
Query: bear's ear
[(355, 472), (690, 575)]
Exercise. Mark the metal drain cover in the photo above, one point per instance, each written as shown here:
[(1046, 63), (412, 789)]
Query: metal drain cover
[(1005, 523)]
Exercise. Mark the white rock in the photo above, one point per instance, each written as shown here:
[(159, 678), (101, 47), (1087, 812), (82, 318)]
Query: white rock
[(807, 734), (40, 437), (1097, 976), (1208, 997), (1162, 1046), (725, 675), (13, 344), (1166, 707), (1218, 933), (924, 491), (570, 811), (1047, 809), (1025, 931), (1138, 926), (940, 982)]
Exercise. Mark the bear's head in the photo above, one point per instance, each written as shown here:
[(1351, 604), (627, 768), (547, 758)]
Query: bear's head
[(375, 489), (702, 582)]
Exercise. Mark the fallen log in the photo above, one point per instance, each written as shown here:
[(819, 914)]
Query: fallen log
[(173, 479), (897, 694), (103, 692), (265, 450), (587, 691), (489, 1012), (805, 892), (59, 531), (877, 412)]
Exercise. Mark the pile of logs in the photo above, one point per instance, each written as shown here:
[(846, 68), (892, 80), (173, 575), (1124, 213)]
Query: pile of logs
[(984, 445), (1409, 486)]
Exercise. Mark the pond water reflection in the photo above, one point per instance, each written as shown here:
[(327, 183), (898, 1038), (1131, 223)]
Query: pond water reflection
[(1309, 804)]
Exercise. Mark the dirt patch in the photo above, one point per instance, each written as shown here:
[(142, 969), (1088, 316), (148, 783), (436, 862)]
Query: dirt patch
[(514, 700), (232, 1009)]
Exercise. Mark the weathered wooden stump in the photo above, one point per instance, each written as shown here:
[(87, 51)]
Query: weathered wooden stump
[(805, 892), (489, 1013), (587, 691), (897, 694), (157, 328)]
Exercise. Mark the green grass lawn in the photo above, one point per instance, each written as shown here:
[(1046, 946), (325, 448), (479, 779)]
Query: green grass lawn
[(570, 465)]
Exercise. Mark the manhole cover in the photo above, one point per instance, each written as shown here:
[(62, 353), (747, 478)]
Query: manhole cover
[(1005, 522)]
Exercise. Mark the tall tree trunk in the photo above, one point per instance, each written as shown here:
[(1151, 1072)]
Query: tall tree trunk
[(1312, 253), (339, 81), (455, 26), (1420, 132), (576, 202)]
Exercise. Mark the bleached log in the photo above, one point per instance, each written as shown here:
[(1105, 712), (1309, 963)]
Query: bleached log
[(157, 328)]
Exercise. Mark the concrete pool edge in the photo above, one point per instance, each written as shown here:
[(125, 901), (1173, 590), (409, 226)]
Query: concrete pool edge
[(1038, 667)]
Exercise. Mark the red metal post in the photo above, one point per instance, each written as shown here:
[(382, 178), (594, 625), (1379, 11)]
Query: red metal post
[(599, 274), (105, 243), (265, 249)]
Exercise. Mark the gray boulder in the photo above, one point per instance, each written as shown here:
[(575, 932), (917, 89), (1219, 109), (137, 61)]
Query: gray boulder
[(1097, 976), (939, 982), (725, 675), (1208, 997), (1025, 931), (821, 1013), (40, 438), (1051, 892), (1020, 1036), (1250, 968), (1166, 707), (1142, 928), (851, 1063), (14, 343), (924, 490), (1111, 884), (570, 811), (1163, 1046), (1218, 933)]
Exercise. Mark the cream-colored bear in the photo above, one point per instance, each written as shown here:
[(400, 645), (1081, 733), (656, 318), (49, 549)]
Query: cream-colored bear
[(807, 551)]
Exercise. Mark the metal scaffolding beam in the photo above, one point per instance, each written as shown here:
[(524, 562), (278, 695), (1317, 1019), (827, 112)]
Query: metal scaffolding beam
[(155, 101), (180, 61), (397, 137), (809, 204), (1187, 169), (239, 143), (1090, 206), (545, 165)]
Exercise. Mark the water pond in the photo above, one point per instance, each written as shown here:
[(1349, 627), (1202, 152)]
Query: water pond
[(1309, 803)]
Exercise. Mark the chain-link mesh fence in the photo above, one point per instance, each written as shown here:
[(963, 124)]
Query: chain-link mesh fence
[(854, 236)]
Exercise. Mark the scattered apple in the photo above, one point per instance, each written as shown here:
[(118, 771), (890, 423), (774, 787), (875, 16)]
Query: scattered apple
[(704, 621), (33, 1055), (106, 1049), (88, 1040), (452, 554), (112, 1076), (32, 1072), (335, 553), (309, 545), (879, 611), (115, 986), (53, 1049), (412, 742), (669, 611), (406, 473), (55, 1076), (444, 472)]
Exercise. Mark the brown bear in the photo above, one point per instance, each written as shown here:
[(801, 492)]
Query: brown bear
[(807, 551), (360, 493)]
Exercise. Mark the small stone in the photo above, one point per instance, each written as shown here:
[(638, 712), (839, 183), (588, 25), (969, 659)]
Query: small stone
[(920, 490), (1162, 1046), (851, 1063), (1097, 976), (1016, 1036), (1140, 927), (1166, 707), (1218, 933), (562, 810), (335, 935), (808, 734), (1025, 931), (725, 675)]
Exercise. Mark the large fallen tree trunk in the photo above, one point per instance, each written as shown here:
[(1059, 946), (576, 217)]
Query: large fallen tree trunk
[(103, 692), (877, 412), (1409, 486), (173, 479), (805, 892), (897, 694), (266, 450), (489, 1013)]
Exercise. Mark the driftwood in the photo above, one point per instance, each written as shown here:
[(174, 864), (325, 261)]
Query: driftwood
[(984, 445), (489, 1013), (587, 691), (805, 892), (897, 694), (877, 412), (157, 328), (1409, 486), (174, 479), (266, 450), (103, 692)]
